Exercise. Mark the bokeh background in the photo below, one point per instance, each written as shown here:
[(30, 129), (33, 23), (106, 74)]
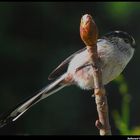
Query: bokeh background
[(34, 38)]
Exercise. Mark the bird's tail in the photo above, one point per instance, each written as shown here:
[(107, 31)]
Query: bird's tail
[(22, 107)]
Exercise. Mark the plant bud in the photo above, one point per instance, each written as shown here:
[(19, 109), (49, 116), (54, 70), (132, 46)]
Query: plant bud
[(88, 30)]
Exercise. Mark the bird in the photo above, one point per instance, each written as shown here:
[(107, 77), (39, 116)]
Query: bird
[(115, 50)]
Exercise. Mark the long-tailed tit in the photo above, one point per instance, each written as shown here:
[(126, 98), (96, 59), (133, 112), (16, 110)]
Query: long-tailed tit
[(115, 50)]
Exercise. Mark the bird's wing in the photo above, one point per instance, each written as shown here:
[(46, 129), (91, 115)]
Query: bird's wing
[(63, 66)]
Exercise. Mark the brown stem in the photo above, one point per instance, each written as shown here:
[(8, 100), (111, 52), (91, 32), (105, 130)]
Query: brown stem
[(89, 35), (103, 123)]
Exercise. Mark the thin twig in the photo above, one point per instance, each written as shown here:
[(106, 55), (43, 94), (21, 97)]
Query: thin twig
[(89, 35)]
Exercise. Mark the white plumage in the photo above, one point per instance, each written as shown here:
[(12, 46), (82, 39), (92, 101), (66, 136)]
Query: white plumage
[(113, 61)]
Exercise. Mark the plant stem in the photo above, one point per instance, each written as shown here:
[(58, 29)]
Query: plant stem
[(89, 35)]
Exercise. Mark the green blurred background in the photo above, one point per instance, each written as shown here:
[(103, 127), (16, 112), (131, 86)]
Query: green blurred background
[(34, 38)]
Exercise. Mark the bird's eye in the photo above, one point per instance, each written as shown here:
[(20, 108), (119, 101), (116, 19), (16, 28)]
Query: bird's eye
[(126, 40)]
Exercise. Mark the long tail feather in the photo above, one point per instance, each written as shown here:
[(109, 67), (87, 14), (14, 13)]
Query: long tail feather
[(22, 107)]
